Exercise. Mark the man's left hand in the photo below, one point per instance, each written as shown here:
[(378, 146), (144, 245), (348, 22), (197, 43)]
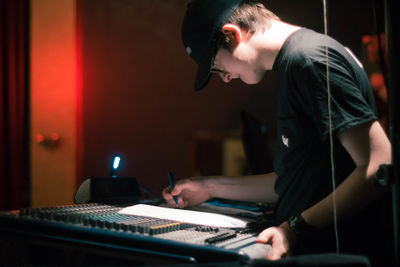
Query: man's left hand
[(280, 238)]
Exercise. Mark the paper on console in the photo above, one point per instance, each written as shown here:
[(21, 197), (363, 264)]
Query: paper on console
[(186, 216)]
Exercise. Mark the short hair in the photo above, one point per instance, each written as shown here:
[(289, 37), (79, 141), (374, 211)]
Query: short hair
[(251, 16)]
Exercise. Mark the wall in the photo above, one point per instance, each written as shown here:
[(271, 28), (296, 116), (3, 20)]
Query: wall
[(53, 101), (138, 96)]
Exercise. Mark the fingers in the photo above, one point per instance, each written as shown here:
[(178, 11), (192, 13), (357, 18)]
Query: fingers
[(169, 198), (189, 192), (265, 236), (169, 195), (166, 193), (274, 237), (180, 186)]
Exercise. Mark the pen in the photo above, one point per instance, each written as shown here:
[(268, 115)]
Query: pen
[(172, 185)]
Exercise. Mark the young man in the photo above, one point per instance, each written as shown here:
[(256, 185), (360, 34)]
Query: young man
[(241, 39)]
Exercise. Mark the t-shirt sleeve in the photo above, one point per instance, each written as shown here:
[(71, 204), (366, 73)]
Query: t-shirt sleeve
[(349, 103)]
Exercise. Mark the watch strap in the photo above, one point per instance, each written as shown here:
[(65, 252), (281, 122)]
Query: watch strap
[(299, 226)]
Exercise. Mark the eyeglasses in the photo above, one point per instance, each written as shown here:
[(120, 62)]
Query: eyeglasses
[(215, 69)]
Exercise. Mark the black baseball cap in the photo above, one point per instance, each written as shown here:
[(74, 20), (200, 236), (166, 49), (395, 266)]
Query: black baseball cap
[(201, 31)]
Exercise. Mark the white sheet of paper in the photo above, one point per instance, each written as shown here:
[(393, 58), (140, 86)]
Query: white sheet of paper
[(186, 216)]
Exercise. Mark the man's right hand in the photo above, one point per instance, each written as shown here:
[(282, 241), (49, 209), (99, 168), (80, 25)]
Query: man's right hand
[(190, 192)]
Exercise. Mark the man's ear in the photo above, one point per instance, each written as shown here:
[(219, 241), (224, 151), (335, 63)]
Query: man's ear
[(233, 32)]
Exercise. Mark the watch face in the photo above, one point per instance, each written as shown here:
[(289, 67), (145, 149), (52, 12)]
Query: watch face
[(293, 224)]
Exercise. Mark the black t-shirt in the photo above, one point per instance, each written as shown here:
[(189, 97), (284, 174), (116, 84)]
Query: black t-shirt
[(303, 160)]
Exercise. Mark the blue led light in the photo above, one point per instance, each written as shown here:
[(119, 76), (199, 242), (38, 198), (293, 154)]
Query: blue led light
[(116, 162)]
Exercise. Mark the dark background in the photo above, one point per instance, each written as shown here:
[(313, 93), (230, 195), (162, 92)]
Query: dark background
[(138, 97)]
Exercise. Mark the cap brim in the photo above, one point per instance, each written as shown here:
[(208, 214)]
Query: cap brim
[(203, 73)]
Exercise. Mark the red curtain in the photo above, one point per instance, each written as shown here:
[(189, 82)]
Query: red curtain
[(14, 104)]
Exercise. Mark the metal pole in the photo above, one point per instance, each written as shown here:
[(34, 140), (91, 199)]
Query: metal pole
[(394, 110)]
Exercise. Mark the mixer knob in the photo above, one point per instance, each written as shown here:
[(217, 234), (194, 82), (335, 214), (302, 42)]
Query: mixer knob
[(108, 224), (101, 224), (85, 221), (72, 219), (57, 217), (116, 226), (132, 228), (124, 227), (33, 213), (92, 222), (49, 215)]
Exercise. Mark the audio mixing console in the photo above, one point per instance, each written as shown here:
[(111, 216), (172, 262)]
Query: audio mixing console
[(90, 232)]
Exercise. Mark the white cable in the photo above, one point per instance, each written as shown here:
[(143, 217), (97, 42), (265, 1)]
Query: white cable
[(330, 130)]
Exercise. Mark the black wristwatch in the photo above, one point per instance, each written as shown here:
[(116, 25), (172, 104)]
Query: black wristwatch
[(299, 226)]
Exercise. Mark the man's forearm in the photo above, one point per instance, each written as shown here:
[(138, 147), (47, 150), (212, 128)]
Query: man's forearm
[(257, 188), (369, 147), (354, 194)]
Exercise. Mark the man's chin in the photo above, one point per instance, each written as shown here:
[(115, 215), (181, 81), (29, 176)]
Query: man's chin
[(252, 82), (256, 79)]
